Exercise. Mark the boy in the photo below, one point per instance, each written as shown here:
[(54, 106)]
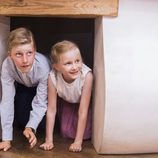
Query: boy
[(24, 87)]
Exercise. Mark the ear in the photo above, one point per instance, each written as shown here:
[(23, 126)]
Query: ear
[(9, 54), (56, 67)]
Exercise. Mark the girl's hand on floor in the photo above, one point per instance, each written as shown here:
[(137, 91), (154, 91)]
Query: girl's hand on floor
[(5, 145), (76, 146), (47, 146)]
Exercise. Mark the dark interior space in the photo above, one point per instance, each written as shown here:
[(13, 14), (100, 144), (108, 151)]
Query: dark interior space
[(47, 31)]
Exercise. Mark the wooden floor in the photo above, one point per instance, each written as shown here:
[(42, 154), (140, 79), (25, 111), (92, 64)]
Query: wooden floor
[(20, 149)]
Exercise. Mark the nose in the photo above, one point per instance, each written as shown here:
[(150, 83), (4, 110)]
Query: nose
[(25, 58), (74, 66)]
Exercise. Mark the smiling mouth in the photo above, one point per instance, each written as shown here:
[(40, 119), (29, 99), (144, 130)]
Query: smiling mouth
[(74, 73), (25, 66)]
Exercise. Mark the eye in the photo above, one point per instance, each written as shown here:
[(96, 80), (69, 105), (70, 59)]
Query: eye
[(29, 53), (77, 61), (18, 55), (68, 63)]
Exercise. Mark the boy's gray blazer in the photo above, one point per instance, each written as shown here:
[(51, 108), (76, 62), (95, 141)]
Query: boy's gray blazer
[(38, 76)]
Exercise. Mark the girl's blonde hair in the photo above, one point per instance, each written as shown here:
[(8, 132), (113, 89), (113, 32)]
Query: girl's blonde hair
[(62, 47), (20, 36)]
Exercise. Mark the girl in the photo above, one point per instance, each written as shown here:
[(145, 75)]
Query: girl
[(69, 93)]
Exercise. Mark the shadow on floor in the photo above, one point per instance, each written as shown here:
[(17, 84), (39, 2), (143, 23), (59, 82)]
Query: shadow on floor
[(20, 149)]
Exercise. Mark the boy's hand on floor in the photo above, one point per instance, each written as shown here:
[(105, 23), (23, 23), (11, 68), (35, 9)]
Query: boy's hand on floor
[(29, 134), (5, 145)]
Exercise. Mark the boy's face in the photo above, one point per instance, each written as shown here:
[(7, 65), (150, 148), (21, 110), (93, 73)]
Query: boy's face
[(70, 65), (23, 56)]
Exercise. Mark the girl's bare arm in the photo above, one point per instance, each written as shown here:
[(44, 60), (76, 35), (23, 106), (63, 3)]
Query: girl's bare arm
[(50, 116), (83, 112)]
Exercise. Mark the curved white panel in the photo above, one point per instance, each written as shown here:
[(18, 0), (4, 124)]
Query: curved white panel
[(130, 123), (4, 31)]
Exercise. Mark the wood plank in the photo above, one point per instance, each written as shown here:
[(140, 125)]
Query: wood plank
[(63, 8)]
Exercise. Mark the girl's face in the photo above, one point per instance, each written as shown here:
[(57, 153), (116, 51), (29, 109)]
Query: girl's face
[(70, 65), (23, 57)]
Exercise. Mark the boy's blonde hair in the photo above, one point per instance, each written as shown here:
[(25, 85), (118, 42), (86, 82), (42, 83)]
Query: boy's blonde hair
[(20, 36), (62, 47)]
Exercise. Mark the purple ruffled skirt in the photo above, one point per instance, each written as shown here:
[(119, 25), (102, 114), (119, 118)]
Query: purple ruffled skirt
[(68, 118)]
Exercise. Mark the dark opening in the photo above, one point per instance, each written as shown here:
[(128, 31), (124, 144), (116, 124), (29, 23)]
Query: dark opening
[(48, 31)]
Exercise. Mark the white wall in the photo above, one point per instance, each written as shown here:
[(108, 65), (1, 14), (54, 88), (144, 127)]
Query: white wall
[(131, 70), (4, 31)]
